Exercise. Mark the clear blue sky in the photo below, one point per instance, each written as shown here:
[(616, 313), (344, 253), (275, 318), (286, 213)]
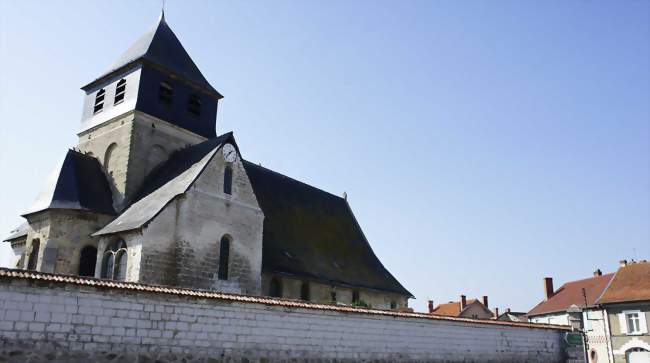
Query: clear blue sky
[(483, 145)]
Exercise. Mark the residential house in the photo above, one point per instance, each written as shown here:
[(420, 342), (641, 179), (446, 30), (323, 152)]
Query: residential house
[(464, 308), (626, 305), (512, 316)]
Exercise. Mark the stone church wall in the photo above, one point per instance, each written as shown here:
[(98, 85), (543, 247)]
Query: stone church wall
[(69, 319), (181, 245), (321, 293), (62, 235)]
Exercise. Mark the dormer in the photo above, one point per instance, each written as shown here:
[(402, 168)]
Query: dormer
[(155, 76)]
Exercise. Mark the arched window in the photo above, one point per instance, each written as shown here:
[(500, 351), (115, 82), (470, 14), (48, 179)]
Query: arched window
[(227, 180), (33, 256), (224, 255), (99, 101), (87, 261), (194, 105), (333, 294), (114, 261), (165, 93), (275, 287), (304, 291), (109, 159), (120, 91)]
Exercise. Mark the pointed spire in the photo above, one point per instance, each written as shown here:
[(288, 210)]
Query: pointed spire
[(162, 11), (161, 47)]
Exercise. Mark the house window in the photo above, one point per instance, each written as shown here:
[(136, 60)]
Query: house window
[(120, 91), (393, 305), (87, 261), (33, 256), (633, 322), (194, 105), (275, 288), (165, 93), (227, 180), (224, 254), (99, 101), (114, 261), (304, 291)]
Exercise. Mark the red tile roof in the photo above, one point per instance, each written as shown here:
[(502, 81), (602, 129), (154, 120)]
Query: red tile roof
[(452, 308), (10, 274), (571, 293), (631, 283)]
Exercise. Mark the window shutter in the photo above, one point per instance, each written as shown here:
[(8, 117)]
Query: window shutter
[(642, 323), (623, 323)]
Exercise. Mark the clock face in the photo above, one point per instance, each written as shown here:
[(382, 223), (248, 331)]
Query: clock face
[(229, 153)]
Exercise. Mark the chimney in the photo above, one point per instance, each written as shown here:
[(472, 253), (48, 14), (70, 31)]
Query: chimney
[(496, 313), (485, 301), (430, 306), (548, 287), (623, 263), (598, 273), (507, 310), (463, 302)]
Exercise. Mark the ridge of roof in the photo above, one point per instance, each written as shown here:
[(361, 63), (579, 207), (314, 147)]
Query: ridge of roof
[(159, 46), (293, 180)]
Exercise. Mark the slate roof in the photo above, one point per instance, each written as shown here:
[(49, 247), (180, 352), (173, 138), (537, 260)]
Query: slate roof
[(78, 182), (571, 293), (310, 233), (160, 47), (630, 283), (171, 180), (20, 231)]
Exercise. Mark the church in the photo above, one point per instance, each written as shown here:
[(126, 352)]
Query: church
[(153, 194)]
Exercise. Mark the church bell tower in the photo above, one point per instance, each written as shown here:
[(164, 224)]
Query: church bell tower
[(152, 101)]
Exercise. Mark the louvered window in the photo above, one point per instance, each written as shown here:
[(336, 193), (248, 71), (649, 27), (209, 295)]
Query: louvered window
[(120, 91), (99, 101), (194, 105), (165, 93)]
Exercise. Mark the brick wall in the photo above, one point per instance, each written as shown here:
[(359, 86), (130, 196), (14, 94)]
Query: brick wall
[(88, 320)]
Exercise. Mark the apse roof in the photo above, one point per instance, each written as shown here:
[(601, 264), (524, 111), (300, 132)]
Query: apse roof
[(160, 46), (20, 231), (77, 182)]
